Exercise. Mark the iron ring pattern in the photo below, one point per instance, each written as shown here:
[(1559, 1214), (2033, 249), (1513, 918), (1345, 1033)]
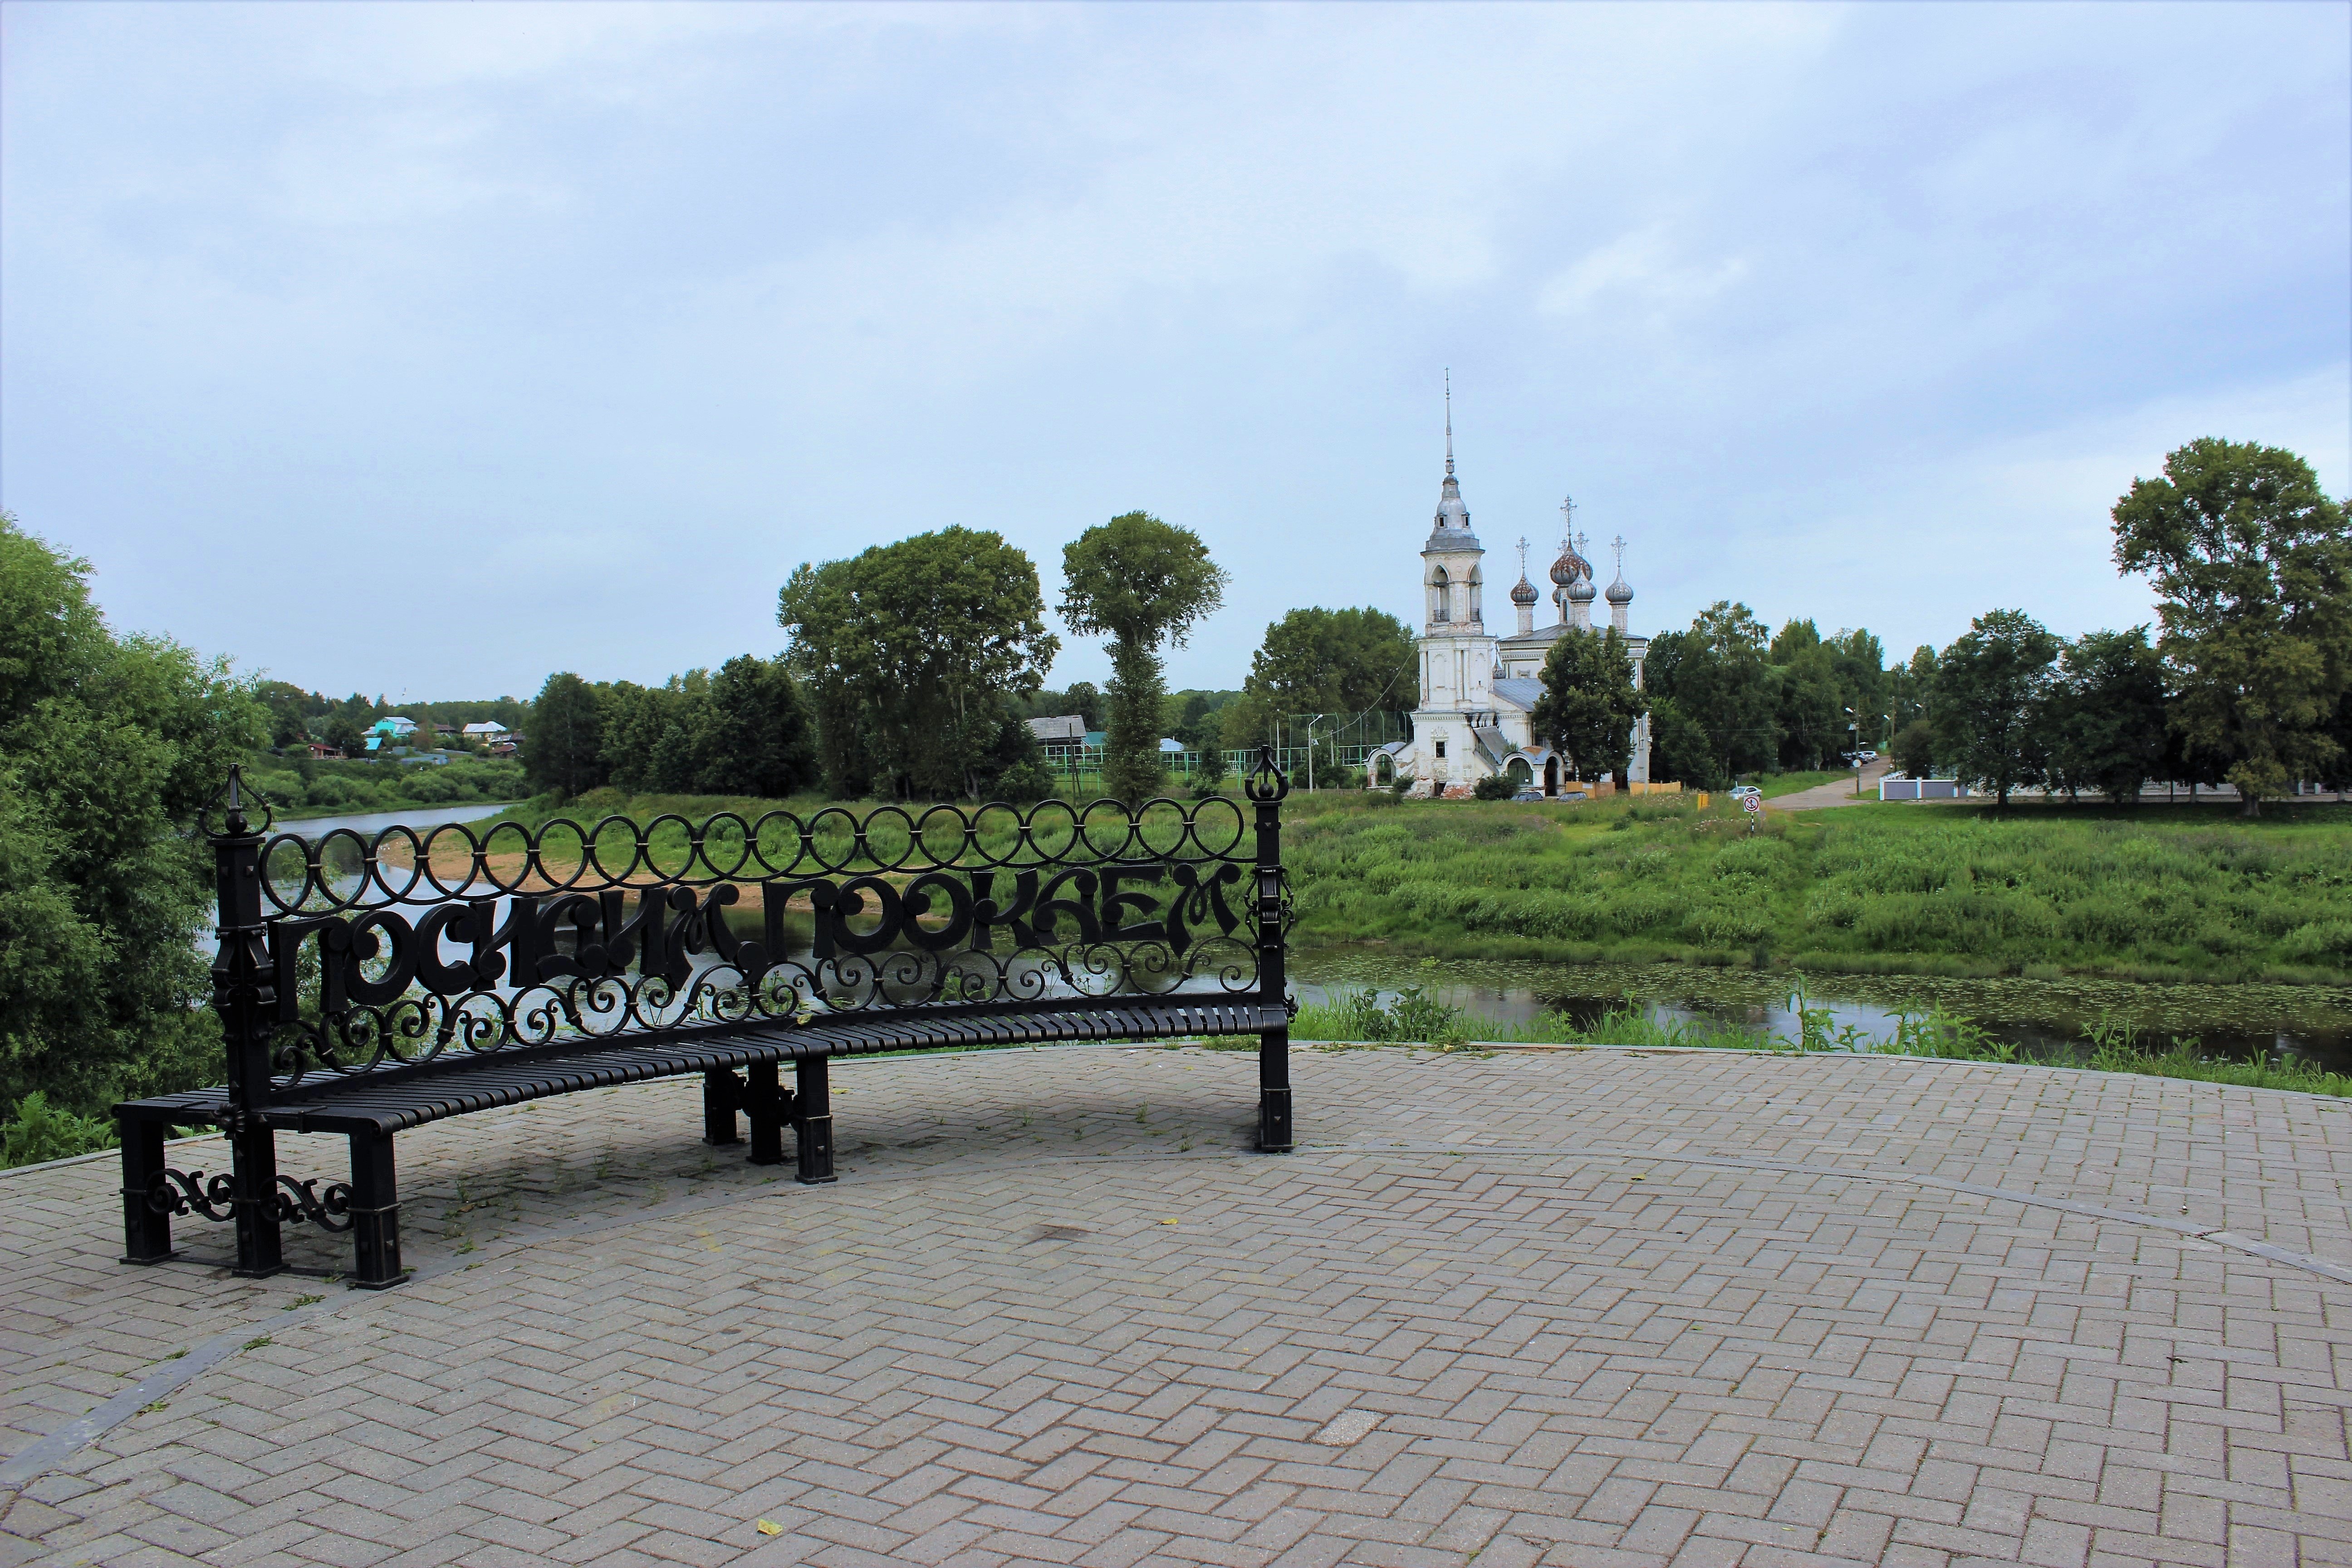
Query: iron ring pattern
[(410, 944)]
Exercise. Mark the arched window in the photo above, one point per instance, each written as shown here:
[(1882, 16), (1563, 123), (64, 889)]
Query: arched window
[(1441, 601)]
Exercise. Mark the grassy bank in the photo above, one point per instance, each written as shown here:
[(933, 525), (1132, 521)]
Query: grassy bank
[(2047, 891), (2106, 1047), (2138, 893)]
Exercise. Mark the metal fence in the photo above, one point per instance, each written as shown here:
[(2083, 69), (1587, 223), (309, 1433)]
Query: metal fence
[(1324, 747)]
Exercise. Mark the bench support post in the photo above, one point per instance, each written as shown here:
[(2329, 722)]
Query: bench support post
[(764, 1101), (146, 1233), (719, 1091), (253, 1153), (1274, 1091), (1266, 786), (812, 1118), (244, 995), (375, 1212)]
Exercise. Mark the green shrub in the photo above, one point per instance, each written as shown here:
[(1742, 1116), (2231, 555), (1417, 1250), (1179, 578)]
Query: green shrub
[(39, 1131)]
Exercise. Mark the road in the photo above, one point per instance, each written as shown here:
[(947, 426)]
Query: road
[(1838, 793)]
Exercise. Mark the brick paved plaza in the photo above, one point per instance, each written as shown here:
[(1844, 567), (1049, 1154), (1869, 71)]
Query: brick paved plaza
[(1570, 1307)]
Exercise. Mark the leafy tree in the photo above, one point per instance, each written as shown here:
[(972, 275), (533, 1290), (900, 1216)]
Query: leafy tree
[(1990, 686), (1809, 707), (345, 733), (1016, 768), (1085, 699), (1717, 677), (1588, 702), (1335, 661), (757, 739), (2253, 563), (290, 708), (1679, 750), (108, 748), (1139, 582), (565, 749), (1915, 748), (910, 651), (1911, 687), (2105, 716), (1793, 638)]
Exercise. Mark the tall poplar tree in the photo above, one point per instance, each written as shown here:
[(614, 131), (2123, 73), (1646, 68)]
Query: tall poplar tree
[(1142, 582)]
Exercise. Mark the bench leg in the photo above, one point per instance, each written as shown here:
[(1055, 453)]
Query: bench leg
[(146, 1234), (764, 1101), (1274, 1091), (720, 1091), (254, 1154), (812, 1118), (375, 1214)]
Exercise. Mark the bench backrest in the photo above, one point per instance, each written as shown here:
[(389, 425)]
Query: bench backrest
[(349, 951)]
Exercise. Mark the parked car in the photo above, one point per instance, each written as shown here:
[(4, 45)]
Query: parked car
[(1741, 792), (1870, 756), (1528, 795)]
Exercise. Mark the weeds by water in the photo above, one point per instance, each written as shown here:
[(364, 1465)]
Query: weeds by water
[(2109, 1044)]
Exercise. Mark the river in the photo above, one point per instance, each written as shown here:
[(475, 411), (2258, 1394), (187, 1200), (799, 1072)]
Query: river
[(375, 821), (2047, 1017)]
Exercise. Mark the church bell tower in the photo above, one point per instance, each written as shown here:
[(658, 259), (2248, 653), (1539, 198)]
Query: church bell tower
[(1457, 652)]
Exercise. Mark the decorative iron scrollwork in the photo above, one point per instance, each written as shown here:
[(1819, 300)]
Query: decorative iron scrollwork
[(399, 946), (183, 1192)]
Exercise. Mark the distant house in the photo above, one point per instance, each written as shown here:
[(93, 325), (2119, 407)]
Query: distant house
[(1168, 747), (445, 729), (488, 730), (1061, 736)]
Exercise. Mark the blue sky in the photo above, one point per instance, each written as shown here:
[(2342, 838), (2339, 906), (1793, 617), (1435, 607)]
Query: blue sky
[(430, 347)]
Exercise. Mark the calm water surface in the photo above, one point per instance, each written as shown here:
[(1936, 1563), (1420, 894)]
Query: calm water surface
[(2049, 1017), (376, 821)]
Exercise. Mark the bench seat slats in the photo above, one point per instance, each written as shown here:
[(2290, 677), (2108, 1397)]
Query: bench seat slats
[(332, 1104)]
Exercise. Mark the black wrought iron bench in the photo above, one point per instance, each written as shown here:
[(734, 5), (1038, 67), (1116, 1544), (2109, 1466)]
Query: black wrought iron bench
[(592, 956)]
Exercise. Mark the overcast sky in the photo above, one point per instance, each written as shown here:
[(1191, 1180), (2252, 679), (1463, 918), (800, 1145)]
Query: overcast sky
[(425, 349)]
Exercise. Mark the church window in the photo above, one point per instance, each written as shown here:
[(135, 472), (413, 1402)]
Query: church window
[(1441, 746)]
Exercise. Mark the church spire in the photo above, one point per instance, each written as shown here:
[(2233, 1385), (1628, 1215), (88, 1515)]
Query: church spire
[(1451, 530), (1449, 422)]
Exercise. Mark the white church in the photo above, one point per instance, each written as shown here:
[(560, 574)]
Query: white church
[(1476, 689)]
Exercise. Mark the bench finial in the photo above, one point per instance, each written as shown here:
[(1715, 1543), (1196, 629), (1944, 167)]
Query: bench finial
[(1265, 782), (228, 809)]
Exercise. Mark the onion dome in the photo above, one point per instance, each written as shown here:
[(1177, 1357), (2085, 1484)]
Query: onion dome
[(1571, 567), (1524, 591), (1581, 590), (1620, 591)]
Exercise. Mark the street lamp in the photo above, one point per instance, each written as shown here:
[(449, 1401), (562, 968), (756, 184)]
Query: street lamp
[(1853, 748), (1311, 722)]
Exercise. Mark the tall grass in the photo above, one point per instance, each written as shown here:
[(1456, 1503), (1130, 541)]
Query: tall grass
[(2138, 892)]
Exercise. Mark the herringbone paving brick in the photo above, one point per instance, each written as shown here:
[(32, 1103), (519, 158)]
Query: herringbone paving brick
[(1590, 1307)]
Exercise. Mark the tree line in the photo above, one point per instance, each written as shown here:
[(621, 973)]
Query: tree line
[(2247, 680), (296, 717), (910, 672)]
